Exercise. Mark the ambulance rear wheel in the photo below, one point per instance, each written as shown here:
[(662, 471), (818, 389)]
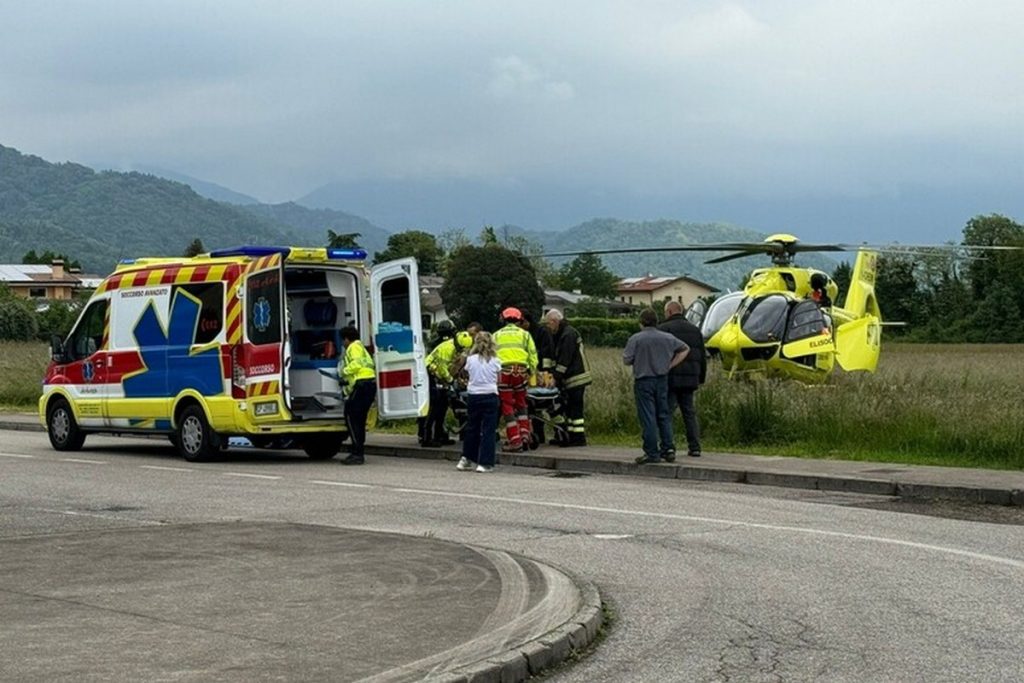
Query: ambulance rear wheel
[(62, 428), (196, 441), (322, 446)]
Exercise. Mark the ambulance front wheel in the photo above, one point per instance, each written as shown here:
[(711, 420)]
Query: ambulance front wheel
[(195, 439), (62, 428)]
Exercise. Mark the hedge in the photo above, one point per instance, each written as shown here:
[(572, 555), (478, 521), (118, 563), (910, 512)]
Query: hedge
[(605, 331)]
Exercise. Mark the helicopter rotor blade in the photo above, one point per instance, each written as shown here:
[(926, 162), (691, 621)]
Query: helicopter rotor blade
[(734, 256), (753, 247)]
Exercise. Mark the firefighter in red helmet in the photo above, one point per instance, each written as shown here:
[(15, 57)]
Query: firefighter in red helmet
[(518, 356)]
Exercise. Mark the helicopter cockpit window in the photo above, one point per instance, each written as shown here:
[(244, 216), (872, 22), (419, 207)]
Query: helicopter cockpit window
[(805, 320), (696, 312), (721, 309), (765, 319)]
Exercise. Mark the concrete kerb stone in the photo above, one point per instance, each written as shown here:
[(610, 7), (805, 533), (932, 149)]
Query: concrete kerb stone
[(553, 648), (877, 487), (1017, 497), (13, 426), (714, 474), (971, 494)]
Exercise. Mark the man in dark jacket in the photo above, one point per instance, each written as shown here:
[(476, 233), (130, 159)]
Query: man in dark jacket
[(572, 375), (686, 378)]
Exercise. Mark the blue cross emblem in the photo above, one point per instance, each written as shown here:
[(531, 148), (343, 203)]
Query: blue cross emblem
[(88, 371), (261, 314)]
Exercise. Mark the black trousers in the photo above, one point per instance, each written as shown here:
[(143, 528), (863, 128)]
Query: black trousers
[(433, 428), (683, 397), (574, 421), (357, 408)]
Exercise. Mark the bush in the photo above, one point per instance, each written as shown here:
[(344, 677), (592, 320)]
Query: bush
[(57, 319), (612, 332), (17, 320)]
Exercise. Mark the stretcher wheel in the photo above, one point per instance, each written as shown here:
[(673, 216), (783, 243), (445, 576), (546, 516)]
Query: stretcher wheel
[(533, 443)]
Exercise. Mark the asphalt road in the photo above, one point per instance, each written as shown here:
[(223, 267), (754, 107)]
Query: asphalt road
[(705, 581)]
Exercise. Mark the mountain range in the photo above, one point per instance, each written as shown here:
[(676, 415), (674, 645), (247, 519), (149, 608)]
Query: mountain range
[(99, 217)]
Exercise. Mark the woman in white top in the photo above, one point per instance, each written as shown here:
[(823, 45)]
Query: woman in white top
[(482, 405)]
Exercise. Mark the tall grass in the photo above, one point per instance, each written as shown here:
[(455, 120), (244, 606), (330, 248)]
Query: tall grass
[(929, 404)]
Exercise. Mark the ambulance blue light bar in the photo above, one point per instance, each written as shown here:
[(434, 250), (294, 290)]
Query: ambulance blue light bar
[(253, 252), (347, 254)]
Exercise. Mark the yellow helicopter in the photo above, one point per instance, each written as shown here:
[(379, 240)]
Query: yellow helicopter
[(785, 323)]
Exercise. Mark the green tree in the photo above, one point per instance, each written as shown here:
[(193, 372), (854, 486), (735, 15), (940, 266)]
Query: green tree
[(483, 280), (48, 257), (897, 290), (345, 240), (842, 276), (195, 248), (415, 243), (993, 269), (588, 274)]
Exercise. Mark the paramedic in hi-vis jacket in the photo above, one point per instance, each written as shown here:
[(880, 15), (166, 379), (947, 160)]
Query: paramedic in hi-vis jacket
[(518, 356), (360, 380)]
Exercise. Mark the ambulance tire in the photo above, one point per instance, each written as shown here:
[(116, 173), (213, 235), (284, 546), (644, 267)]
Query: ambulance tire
[(322, 446), (62, 428), (195, 440)]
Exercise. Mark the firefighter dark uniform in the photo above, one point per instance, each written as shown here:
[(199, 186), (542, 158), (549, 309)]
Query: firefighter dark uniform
[(360, 379), (572, 375), (518, 356)]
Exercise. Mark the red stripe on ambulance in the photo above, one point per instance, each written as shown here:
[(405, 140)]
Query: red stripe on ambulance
[(394, 379)]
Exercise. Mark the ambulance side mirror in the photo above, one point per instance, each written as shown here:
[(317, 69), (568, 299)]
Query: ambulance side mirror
[(57, 352)]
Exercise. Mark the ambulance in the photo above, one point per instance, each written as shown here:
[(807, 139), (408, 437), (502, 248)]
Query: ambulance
[(237, 342)]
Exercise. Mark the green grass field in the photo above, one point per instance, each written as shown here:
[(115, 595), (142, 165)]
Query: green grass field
[(959, 405)]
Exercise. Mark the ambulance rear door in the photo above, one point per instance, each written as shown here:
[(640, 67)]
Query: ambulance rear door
[(266, 357), (400, 354)]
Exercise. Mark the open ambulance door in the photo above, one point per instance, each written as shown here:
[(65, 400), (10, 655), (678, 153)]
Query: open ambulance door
[(400, 353), (266, 344)]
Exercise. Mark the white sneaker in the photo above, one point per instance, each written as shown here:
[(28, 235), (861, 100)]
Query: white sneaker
[(481, 468), (465, 465)]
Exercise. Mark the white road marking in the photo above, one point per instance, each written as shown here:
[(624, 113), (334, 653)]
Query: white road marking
[(342, 483), (1016, 564), (251, 476), (612, 537), (166, 469), (73, 513), (17, 455), (84, 461)]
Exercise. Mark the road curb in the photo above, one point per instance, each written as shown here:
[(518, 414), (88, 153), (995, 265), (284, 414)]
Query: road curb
[(731, 475), (693, 471), (541, 654)]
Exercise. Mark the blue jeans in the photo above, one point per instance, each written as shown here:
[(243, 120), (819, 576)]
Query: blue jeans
[(655, 419), (481, 425)]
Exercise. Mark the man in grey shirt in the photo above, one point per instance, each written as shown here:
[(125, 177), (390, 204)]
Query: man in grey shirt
[(652, 353)]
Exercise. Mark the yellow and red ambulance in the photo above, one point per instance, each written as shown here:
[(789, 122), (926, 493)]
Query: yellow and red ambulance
[(237, 342)]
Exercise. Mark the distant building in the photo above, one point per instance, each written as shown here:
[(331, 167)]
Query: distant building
[(644, 291), (50, 282), (432, 309), (567, 301)]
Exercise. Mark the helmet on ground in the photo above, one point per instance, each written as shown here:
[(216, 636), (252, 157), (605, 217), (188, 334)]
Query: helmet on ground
[(446, 328), (464, 339), (511, 314)]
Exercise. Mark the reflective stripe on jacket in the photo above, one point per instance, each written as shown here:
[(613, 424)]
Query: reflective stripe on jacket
[(357, 364), (515, 347), (440, 360)]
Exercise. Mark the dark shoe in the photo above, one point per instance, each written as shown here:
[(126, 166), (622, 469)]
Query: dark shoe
[(647, 460), (353, 460), (694, 454), (557, 442), (669, 456), (448, 442), (430, 444)]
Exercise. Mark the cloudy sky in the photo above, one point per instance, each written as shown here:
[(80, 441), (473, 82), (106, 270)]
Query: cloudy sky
[(799, 103)]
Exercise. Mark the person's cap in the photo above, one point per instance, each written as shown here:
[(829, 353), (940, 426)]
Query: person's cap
[(511, 313)]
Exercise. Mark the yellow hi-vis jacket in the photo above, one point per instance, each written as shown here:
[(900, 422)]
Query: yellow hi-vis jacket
[(357, 364), (515, 347), (440, 360)]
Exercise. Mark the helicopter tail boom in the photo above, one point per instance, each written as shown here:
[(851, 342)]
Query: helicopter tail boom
[(860, 299)]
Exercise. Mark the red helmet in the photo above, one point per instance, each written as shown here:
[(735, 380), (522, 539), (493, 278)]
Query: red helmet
[(511, 313)]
